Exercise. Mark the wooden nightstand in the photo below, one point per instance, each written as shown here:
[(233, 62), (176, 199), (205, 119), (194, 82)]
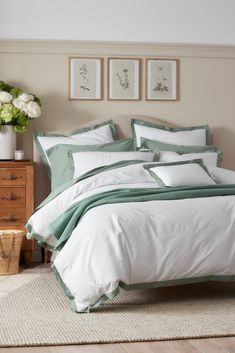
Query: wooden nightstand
[(17, 199)]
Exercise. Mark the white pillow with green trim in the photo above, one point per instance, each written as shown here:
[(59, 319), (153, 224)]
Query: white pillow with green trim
[(190, 173), (61, 172), (210, 155), (97, 134), (83, 162), (102, 133), (188, 136), (208, 158)]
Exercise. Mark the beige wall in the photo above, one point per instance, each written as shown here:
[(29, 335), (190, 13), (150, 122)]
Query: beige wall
[(207, 86)]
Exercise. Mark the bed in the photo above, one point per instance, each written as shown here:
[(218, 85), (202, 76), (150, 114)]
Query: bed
[(132, 222)]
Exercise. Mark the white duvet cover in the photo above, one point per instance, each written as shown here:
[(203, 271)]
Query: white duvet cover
[(138, 244)]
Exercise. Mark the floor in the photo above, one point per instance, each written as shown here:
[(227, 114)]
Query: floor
[(209, 345)]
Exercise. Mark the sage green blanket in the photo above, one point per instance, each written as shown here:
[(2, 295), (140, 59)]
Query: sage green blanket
[(63, 226)]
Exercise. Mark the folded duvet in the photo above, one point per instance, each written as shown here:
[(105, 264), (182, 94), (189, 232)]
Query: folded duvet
[(115, 227)]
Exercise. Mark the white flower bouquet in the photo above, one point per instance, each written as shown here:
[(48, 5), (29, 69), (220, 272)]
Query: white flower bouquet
[(17, 107)]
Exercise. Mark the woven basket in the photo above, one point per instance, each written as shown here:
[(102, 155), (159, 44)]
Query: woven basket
[(10, 245)]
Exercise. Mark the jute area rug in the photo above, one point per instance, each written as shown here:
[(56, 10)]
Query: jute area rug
[(34, 311)]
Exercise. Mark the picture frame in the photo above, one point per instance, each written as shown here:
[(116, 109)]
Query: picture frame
[(124, 79), (85, 78), (162, 79)]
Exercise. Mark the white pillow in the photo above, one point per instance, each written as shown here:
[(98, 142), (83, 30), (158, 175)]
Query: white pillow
[(208, 158), (83, 162), (180, 174), (221, 175), (190, 136), (98, 134)]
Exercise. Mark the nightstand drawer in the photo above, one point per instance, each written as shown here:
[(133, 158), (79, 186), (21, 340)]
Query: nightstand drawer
[(12, 176), (12, 197), (11, 217), (17, 199)]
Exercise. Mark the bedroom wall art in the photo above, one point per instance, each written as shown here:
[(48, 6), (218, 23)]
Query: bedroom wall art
[(162, 79), (124, 79), (85, 78)]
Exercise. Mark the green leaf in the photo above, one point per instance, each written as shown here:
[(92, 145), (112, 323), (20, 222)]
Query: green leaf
[(16, 92), (5, 87)]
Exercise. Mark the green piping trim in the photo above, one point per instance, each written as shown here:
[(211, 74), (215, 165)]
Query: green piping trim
[(171, 129), (28, 227), (156, 178), (125, 286), (159, 180), (156, 156), (62, 284), (157, 147), (71, 165), (40, 240)]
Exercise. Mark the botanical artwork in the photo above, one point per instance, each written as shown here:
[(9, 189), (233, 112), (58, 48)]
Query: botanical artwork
[(85, 78), (161, 84), (161, 79), (123, 79)]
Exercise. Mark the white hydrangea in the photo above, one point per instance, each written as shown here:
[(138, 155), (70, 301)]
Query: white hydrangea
[(20, 105), (24, 97), (5, 97), (34, 110)]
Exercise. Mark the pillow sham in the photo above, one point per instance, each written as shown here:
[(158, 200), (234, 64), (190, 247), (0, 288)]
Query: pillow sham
[(188, 173), (221, 175), (187, 136), (82, 162), (60, 163), (173, 153), (97, 134)]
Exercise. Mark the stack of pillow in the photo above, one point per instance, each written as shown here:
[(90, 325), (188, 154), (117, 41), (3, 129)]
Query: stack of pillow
[(174, 151), (68, 157), (185, 153)]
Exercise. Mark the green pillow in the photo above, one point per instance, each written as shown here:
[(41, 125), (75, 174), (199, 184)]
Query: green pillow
[(59, 157), (157, 147)]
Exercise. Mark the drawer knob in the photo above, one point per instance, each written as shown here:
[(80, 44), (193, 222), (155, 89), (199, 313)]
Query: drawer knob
[(10, 196), (11, 176), (10, 218)]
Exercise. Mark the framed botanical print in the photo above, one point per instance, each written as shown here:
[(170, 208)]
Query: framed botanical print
[(85, 78), (162, 79), (123, 79)]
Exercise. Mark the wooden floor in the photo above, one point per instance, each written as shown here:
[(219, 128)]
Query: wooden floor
[(209, 345)]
